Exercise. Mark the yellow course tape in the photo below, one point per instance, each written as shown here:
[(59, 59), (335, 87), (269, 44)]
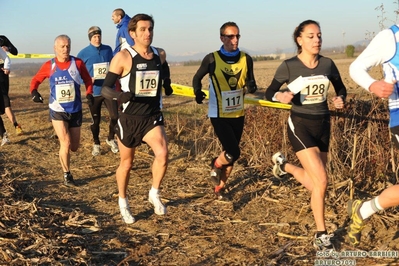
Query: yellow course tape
[(189, 92), (31, 56)]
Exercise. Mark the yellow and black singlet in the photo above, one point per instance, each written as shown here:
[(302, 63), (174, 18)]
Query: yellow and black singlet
[(226, 89)]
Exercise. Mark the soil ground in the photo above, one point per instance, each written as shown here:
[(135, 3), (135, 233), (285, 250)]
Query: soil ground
[(266, 221)]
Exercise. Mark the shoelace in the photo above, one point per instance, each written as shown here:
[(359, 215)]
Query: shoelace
[(126, 213), (157, 202), (326, 239)]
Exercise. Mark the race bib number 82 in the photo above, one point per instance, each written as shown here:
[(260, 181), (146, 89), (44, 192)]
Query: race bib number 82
[(100, 70)]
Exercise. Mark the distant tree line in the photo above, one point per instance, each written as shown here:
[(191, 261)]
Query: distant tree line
[(265, 57), (254, 58), (192, 63)]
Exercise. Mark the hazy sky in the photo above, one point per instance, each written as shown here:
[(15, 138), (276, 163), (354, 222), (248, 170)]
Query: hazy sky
[(186, 26)]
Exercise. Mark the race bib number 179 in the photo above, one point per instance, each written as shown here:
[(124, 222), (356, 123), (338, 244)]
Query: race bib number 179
[(147, 83)]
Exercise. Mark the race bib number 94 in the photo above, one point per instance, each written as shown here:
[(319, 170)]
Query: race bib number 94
[(232, 101), (147, 83), (315, 89), (65, 93)]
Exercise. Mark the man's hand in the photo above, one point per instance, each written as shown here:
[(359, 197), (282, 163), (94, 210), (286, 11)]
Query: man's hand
[(90, 99), (6, 71), (382, 88), (251, 86), (167, 87), (124, 97), (199, 96), (36, 97)]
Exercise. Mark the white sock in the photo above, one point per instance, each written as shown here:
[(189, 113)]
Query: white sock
[(154, 191), (370, 207), (123, 202)]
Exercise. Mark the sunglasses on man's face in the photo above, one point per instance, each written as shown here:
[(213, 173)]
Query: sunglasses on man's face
[(231, 36)]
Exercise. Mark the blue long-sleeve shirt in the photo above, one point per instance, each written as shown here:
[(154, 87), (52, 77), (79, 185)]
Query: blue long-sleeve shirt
[(122, 36), (94, 59)]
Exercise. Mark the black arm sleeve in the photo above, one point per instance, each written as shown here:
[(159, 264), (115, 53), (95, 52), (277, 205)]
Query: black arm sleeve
[(339, 87), (202, 71), (272, 89), (11, 48), (165, 70), (337, 82), (110, 79), (250, 82)]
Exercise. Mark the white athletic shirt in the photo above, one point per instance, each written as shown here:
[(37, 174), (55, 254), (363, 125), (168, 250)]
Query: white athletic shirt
[(372, 56), (6, 60)]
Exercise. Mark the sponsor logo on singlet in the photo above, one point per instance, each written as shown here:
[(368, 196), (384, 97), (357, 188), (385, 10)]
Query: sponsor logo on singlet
[(142, 66)]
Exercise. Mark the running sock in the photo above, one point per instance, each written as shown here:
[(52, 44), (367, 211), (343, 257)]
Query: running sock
[(370, 207), (320, 233), (282, 166), (123, 202), (16, 124), (154, 191)]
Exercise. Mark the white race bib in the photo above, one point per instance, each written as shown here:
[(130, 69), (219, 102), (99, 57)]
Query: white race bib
[(100, 70), (315, 89), (65, 93), (232, 101), (147, 83)]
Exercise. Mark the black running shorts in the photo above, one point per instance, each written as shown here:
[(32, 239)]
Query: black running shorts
[(305, 133), (131, 129), (7, 102), (73, 120)]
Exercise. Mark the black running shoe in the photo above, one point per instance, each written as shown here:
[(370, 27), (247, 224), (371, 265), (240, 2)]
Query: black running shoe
[(68, 180)]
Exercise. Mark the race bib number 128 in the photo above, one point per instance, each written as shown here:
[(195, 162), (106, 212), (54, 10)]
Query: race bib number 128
[(315, 89)]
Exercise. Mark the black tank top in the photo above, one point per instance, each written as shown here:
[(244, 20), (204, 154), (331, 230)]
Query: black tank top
[(144, 80)]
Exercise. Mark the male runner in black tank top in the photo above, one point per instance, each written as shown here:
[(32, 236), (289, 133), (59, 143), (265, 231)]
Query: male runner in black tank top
[(141, 71)]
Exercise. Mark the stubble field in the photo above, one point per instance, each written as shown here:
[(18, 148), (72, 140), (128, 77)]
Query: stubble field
[(267, 221)]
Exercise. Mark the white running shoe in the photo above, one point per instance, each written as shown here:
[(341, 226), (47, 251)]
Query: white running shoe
[(155, 200), (96, 150), (278, 159), (127, 216), (114, 146), (5, 139), (323, 242)]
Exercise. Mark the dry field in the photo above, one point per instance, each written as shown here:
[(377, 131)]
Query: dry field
[(267, 221)]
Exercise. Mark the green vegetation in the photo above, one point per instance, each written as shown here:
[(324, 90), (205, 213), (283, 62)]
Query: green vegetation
[(350, 51)]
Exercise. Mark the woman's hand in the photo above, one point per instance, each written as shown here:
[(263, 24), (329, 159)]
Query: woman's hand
[(284, 97), (338, 102)]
